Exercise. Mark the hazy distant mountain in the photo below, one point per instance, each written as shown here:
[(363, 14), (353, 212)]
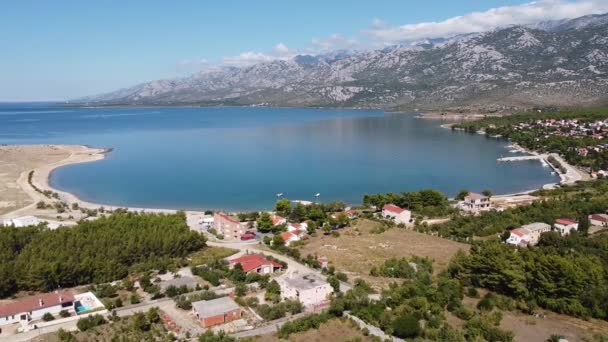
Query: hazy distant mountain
[(557, 63)]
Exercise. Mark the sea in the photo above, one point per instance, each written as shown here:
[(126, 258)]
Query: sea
[(241, 158)]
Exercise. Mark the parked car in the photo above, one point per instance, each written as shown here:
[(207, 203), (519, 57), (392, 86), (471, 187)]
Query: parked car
[(248, 236)]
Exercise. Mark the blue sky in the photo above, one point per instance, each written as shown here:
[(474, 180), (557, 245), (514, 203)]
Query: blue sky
[(64, 49)]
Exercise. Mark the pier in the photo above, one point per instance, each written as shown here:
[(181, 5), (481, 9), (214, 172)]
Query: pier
[(519, 158)]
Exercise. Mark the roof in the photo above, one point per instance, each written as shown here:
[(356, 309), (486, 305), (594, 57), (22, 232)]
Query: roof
[(600, 217), (227, 218), (393, 208), (287, 235), (565, 221), (32, 303), (532, 227), (178, 282), (254, 261), (214, 307), (276, 219), (475, 196), (305, 281), (518, 232), (295, 225)]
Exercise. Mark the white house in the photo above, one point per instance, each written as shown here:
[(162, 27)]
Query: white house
[(474, 202), (600, 220), (564, 226), (310, 289), (528, 235), (297, 227), (34, 307), (23, 221), (289, 237), (278, 220), (393, 212)]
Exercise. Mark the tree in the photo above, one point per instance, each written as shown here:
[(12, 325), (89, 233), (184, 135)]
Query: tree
[(298, 213), (584, 224), (47, 317), (240, 289), (139, 322), (406, 326), (487, 193), (152, 315), (265, 223), (334, 282), (461, 195), (283, 207), (277, 241)]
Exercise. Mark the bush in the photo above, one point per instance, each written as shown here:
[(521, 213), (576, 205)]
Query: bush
[(313, 321), (47, 317), (64, 313), (472, 292), (134, 299), (90, 322), (406, 326)]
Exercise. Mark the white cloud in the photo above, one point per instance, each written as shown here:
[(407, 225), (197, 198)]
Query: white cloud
[(248, 58), (186, 63), (335, 41), (529, 13), (282, 50)]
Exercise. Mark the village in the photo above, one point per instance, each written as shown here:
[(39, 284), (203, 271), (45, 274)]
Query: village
[(252, 282)]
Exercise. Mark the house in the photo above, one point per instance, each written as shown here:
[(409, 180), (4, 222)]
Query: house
[(564, 226), (23, 221), (297, 227), (278, 220), (323, 261), (216, 311), (289, 237), (188, 282), (228, 226), (310, 289), (474, 202), (528, 235), (393, 212), (34, 307), (257, 263), (600, 220)]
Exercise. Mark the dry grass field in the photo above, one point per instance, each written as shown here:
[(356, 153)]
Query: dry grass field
[(336, 330), (357, 249)]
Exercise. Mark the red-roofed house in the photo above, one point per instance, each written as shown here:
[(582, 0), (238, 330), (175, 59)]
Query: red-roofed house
[(34, 307), (528, 235), (289, 237), (277, 220), (257, 263), (565, 225), (391, 211), (297, 227), (228, 226), (600, 220)]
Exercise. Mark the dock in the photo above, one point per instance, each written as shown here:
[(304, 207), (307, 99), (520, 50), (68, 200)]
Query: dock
[(520, 158)]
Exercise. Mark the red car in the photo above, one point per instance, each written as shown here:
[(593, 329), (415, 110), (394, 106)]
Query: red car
[(248, 236)]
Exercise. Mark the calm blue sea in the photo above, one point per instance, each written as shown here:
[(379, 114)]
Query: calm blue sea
[(240, 158)]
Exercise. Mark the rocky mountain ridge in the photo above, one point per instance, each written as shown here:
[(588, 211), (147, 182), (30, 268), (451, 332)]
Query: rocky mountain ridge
[(551, 64)]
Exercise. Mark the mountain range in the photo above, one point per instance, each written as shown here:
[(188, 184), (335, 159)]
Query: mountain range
[(560, 63)]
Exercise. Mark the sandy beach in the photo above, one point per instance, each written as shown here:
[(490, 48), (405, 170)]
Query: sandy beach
[(456, 117), (19, 197)]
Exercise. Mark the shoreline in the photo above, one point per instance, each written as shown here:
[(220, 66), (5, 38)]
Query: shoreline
[(86, 154)]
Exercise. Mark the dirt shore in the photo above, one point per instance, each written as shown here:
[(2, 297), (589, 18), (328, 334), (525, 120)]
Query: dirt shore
[(456, 117)]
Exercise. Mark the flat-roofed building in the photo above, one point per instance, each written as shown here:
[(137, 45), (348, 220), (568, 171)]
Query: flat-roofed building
[(310, 289), (216, 311)]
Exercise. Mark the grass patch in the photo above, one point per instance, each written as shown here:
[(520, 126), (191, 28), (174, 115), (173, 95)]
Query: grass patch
[(209, 254)]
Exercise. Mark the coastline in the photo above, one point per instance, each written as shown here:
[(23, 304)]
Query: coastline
[(85, 154)]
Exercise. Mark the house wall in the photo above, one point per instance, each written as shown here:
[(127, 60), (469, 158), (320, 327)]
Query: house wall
[(565, 229), (36, 314), (221, 319), (230, 230), (598, 223), (308, 297)]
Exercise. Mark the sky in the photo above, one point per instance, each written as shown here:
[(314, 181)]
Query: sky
[(60, 49)]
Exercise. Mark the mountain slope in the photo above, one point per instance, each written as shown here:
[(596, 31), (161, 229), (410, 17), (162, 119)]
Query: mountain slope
[(561, 63)]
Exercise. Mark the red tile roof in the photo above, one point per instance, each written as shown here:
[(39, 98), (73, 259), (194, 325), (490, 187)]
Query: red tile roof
[(565, 221), (35, 303), (600, 217), (392, 208), (287, 235), (276, 219), (518, 232), (227, 218), (252, 262)]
